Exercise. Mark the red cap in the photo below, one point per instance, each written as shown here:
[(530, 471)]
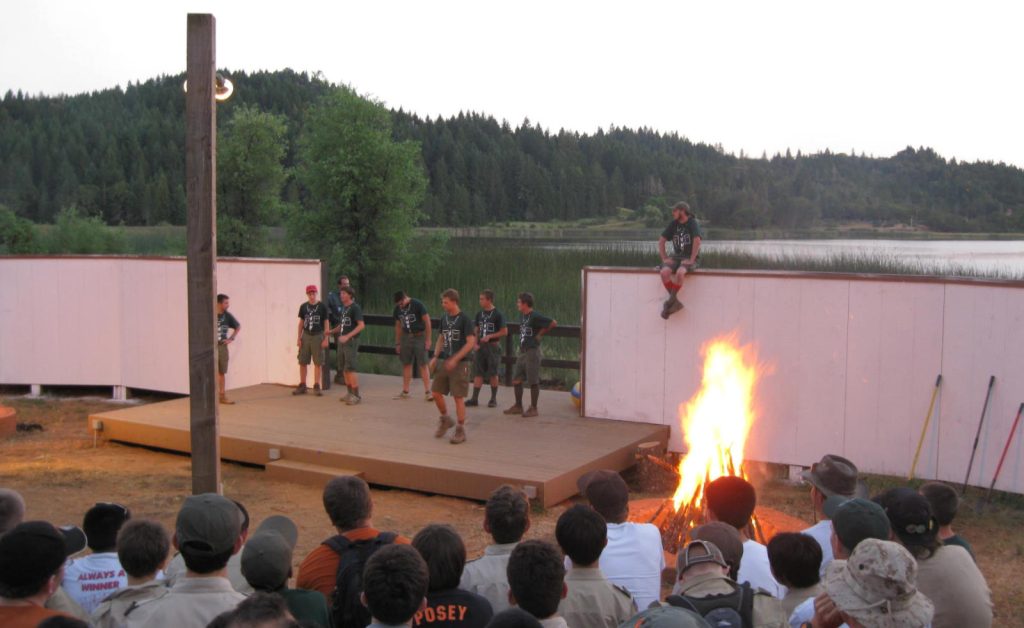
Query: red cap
[(311, 288)]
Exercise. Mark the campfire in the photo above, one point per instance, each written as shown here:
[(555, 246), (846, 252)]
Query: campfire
[(715, 424)]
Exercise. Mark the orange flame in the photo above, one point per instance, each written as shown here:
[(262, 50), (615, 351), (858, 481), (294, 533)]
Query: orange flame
[(717, 420)]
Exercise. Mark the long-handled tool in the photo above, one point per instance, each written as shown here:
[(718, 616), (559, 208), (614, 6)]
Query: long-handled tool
[(977, 436), (924, 430), (1006, 448)]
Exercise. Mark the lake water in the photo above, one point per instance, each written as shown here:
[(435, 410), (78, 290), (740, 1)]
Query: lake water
[(981, 256)]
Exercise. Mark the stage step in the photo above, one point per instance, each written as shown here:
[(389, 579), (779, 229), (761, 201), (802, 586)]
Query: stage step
[(305, 472)]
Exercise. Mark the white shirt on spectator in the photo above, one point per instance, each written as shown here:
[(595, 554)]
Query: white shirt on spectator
[(93, 577), (755, 569), (822, 533), (634, 560)]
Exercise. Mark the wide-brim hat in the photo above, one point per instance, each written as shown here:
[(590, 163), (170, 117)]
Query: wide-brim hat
[(835, 475), (878, 583)]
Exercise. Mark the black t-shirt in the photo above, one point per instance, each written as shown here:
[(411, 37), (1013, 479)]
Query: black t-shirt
[(411, 316), (349, 317), (334, 306), (454, 330), (454, 608), (529, 326), (489, 323), (313, 317), (225, 322), (682, 235)]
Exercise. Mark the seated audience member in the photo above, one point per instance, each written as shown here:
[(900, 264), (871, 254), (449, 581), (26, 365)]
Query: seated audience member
[(795, 559), (208, 531), (32, 557), (514, 618), (873, 588), (61, 621), (143, 549), (536, 578), (832, 476), (705, 587), (945, 573), (267, 566), (12, 509), (945, 502), (95, 576), (506, 519), (666, 617), (728, 541), (591, 601), (395, 585), (349, 505), (176, 568), (853, 520), (732, 500), (633, 558), (259, 610), (447, 605)]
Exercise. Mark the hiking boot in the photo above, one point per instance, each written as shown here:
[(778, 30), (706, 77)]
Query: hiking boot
[(402, 395), (300, 390), (459, 436), (353, 400), (664, 307), (493, 403), (346, 398), (224, 400), (516, 409), (675, 307), (444, 424), (472, 403), (530, 413), (316, 390)]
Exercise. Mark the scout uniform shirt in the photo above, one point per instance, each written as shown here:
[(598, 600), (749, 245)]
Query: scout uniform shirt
[(349, 317), (313, 317), (454, 330), (530, 325), (488, 575), (411, 316), (489, 323), (682, 236), (593, 602)]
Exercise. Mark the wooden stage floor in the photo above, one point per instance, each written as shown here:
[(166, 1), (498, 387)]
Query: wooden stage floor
[(392, 443)]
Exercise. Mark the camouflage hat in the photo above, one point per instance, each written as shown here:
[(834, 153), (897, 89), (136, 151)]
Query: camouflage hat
[(878, 586), (665, 617)]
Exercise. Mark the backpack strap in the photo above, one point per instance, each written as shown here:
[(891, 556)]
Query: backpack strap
[(338, 544), (746, 608)]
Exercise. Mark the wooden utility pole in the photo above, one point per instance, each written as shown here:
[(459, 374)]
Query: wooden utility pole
[(201, 192)]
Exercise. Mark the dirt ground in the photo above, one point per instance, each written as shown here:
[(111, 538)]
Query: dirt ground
[(61, 474)]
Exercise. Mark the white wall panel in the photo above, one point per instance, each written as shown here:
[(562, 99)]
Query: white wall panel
[(853, 363)]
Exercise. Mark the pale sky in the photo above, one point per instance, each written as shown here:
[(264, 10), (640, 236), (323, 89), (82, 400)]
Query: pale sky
[(874, 76)]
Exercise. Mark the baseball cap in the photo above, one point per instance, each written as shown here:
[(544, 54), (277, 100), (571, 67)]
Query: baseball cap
[(908, 512), (267, 556), (878, 586), (605, 490), (33, 551), (834, 475), (855, 520), (708, 553), (665, 617), (311, 288), (209, 523), (726, 538)]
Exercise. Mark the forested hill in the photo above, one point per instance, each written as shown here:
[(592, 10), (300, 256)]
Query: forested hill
[(119, 154)]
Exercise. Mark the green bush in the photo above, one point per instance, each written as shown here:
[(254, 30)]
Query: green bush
[(17, 235), (74, 233)]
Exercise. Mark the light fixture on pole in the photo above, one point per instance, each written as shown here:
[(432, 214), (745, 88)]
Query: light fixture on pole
[(224, 88)]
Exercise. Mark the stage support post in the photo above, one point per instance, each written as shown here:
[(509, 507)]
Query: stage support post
[(201, 193)]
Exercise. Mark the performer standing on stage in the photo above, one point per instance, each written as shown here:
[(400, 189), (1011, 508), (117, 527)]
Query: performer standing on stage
[(349, 327), (454, 344), (313, 325), (532, 328), (685, 234), (490, 328), (334, 306), (412, 340), (225, 322)]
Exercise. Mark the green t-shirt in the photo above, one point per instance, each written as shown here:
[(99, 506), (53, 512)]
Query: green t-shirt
[(349, 317), (489, 323), (411, 316), (682, 235), (455, 330), (530, 325)]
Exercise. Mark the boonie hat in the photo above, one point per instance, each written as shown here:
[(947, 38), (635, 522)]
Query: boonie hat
[(209, 524), (267, 556), (833, 475), (856, 519), (33, 551), (665, 617)]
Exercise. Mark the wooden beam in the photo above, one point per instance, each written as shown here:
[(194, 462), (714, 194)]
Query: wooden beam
[(201, 192)]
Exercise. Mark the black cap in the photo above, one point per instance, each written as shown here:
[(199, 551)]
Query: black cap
[(35, 550)]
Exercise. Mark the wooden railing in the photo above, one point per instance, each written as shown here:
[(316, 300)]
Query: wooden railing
[(508, 358)]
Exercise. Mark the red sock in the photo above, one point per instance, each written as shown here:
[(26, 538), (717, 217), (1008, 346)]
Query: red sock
[(675, 287), (668, 285)]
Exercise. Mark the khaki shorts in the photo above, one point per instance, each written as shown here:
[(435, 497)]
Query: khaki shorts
[(222, 359), (310, 348), (413, 346), (487, 360), (528, 367), (456, 382), (348, 355)]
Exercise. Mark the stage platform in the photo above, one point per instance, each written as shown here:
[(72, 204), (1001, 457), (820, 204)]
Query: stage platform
[(391, 443)]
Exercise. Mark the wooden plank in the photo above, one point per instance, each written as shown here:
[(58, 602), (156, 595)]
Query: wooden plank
[(201, 191)]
